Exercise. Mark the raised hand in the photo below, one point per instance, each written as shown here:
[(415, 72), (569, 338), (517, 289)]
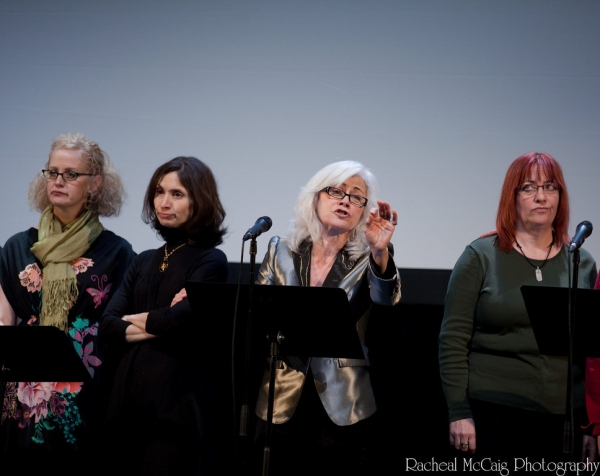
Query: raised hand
[(379, 229)]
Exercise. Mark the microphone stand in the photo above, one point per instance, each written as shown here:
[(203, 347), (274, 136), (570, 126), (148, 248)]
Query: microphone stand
[(275, 340), (568, 441), (245, 411)]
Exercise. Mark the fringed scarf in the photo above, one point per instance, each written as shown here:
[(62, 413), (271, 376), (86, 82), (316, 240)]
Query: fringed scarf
[(56, 248)]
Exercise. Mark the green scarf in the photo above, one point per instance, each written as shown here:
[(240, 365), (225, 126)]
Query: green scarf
[(56, 248)]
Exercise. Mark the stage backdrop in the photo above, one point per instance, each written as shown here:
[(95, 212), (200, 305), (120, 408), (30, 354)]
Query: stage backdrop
[(437, 97)]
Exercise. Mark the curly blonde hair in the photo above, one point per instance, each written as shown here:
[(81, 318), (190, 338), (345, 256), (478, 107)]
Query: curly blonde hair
[(107, 199)]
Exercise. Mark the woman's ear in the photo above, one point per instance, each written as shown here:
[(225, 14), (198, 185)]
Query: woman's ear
[(95, 183)]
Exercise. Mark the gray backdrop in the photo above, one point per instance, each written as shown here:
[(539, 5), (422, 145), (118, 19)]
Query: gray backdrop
[(437, 97)]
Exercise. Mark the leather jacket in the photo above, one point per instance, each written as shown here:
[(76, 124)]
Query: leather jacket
[(343, 385)]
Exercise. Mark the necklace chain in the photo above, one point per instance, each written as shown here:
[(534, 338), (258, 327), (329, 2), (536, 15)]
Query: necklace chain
[(165, 262), (538, 269)]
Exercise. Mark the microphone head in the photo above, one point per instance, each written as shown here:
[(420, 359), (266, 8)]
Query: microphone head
[(262, 224), (267, 221), (584, 229), (588, 225)]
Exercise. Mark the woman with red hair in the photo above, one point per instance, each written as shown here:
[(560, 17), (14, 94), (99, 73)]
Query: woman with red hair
[(505, 399)]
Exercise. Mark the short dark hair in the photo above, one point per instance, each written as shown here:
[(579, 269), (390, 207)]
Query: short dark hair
[(205, 225)]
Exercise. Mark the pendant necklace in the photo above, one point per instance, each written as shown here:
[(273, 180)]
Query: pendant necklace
[(165, 262), (538, 269)]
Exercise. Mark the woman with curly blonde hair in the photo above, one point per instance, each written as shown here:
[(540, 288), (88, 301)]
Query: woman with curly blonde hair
[(62, 273)]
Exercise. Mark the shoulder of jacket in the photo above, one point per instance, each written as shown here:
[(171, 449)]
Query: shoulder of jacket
[(110, 235)]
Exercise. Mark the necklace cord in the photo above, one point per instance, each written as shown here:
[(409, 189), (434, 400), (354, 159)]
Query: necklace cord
[(545, 260)]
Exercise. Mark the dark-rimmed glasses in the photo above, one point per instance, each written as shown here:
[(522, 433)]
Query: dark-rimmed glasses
[(355, 200), (529, 189), (67, 176)]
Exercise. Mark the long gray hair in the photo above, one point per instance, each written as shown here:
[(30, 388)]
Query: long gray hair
[(107, 199), (306, 224)]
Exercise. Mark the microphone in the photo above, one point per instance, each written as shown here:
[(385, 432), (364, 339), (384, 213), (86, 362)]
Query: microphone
[(262, 224), (584, 229)]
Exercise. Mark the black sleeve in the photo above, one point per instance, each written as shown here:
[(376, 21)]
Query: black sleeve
[(210, 267), (112, 328)]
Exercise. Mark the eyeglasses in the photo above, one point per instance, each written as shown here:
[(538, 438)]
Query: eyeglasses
[(355, 200), (529, 189), (67, 176)]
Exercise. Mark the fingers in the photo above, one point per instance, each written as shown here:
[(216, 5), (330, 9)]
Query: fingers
[(180, 296), (462, 435), (385, 212), (589, 448), (464, 444)]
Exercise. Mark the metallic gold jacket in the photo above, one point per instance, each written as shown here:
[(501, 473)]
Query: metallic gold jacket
[(343, 385)]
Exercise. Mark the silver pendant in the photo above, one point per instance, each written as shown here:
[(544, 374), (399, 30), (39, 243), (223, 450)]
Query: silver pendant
[(538, 274)]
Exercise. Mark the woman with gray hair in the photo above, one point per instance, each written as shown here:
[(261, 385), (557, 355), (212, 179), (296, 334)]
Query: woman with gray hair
[(340, 237), (62, 273)]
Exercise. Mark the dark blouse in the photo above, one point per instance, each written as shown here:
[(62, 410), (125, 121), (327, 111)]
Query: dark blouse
[(60, 419)]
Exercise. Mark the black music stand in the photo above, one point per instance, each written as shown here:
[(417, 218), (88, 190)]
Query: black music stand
[(548, 308), (314, 321), (289, 321), (551, 311), (38, 354)]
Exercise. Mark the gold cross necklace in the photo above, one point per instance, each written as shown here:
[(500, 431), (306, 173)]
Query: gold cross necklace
[(165, 262)]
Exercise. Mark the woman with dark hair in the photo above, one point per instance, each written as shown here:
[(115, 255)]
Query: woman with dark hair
[(63, 273), (504, 398), (157, 417), (324, 407)]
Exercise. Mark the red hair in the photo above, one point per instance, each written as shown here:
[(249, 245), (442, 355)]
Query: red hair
[(521, 170)]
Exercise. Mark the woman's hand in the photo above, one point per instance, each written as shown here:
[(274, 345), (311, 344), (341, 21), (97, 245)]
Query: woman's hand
[(590, 448), (180, 296), (138, 320), (462, 435), (136, 332), (379, 229), (7, 314)]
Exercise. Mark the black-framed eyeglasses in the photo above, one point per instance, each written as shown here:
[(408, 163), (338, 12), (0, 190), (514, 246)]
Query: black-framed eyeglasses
[(355, 200), (529, 189), (69, 176)]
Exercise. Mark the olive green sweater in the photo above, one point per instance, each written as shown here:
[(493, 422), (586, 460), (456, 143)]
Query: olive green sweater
[(487, 349)]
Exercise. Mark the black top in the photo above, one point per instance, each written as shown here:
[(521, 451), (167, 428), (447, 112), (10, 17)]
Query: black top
[(162, 387)]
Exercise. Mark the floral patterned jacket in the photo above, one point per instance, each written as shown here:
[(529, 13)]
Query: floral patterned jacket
[(46, 414)]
